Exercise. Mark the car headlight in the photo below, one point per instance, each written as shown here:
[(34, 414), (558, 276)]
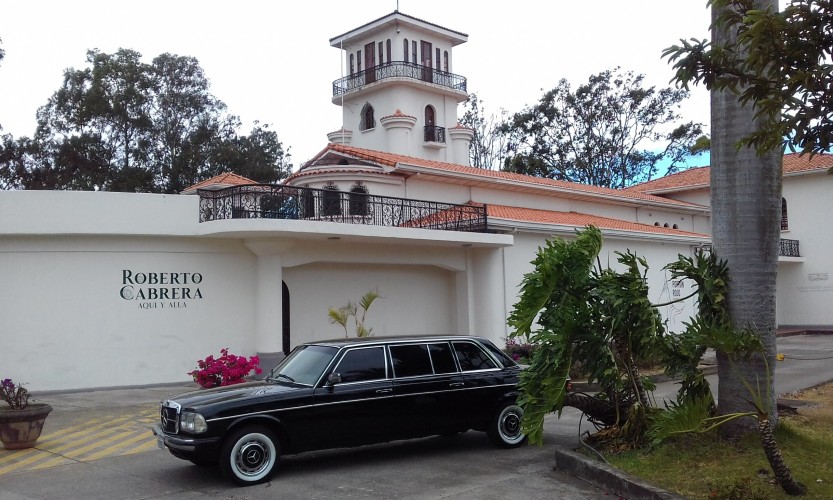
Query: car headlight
[(192, 422)]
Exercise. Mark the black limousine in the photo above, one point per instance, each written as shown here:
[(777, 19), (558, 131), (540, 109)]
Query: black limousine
[(347, 392)]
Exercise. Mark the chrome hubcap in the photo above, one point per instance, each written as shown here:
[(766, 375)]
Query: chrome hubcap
[(252, 457)]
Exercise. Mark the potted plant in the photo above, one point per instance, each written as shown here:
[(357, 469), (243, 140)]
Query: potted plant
[(21, 422)]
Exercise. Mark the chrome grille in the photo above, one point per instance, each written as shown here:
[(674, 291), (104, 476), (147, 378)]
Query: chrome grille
[(169, 417)]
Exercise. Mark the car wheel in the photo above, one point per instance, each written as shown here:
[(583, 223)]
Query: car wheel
[(249, 455), (505, 428)]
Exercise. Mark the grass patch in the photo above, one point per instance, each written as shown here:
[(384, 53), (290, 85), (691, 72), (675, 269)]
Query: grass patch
[(702, 466)]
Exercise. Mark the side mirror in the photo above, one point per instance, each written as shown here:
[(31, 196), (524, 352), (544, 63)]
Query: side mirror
[(333, 379)]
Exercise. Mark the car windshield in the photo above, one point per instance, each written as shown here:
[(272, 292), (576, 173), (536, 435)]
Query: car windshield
[(304, 365)]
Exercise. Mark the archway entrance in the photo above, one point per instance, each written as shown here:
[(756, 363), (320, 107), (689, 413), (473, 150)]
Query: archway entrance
[(285, 340)]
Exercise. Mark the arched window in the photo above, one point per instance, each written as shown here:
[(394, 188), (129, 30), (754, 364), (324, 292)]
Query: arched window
[(430, 120), (445, 61), (433, 133), (352, 64), (785, 221), (330, 201), (359, 61), (413, 52), (381, 53), (437, 59), (387, 49), (405, 50), (367, 121), (358, 200)]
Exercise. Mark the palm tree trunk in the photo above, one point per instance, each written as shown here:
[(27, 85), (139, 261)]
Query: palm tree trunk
[(746, 205), (776, 460)]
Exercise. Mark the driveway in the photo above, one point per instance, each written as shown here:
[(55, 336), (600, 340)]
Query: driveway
[(98, 445)]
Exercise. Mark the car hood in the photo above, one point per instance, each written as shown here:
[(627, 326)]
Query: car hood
[(238, 393)]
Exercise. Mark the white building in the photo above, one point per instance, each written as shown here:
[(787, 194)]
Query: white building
[(805, 264), (117, 289)]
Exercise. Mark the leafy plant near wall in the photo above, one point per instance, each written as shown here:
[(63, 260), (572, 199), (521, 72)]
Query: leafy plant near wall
[(603, 321), (228, 369), (343, 314)]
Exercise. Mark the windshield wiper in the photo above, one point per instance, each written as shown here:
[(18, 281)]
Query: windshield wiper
[(281, 375)]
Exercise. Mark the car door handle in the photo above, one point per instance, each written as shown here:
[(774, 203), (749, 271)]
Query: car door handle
[(383, 391), (456, 384)]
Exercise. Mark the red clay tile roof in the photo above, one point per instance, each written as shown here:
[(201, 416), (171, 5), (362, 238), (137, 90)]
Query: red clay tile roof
[(398, 113), (699, 177), (223, 180), (401, 162), (579, 220), (691, 178), (794, 163)]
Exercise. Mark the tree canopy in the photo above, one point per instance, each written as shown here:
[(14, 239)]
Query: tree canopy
[(611, 131), (123, 125), (487, 146), (780, 62)]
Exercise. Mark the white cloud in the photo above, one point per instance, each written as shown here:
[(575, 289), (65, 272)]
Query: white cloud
[(271, 61)]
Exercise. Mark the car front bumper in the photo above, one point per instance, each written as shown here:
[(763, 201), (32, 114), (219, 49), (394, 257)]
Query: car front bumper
[(189, 448)]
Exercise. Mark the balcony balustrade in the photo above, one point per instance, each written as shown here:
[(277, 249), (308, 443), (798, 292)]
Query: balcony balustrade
[(271, 201), (398, 69), (434, 134)]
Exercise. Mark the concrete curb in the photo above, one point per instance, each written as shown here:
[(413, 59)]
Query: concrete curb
[(607, 477)]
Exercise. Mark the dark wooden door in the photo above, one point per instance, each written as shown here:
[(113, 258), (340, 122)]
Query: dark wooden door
[(425, 53), (370, 63)]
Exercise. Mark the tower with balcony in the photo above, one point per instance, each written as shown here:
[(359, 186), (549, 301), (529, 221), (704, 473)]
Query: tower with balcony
[(398, 93)]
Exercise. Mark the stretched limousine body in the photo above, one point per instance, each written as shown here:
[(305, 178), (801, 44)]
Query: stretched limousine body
[(347, 392)]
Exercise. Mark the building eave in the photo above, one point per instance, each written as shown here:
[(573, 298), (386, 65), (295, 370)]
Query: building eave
[(513, 226), (565, 192), (390, 20)]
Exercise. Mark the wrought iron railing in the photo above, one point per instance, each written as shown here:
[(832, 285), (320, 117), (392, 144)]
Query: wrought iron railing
[(398, 69), (271, 201), (789, 248), (434, 134)]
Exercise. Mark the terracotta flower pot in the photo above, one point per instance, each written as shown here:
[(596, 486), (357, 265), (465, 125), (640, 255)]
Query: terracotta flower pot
[(21, 428)]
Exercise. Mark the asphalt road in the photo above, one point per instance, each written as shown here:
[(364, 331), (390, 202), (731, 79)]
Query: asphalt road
[(97, 445)]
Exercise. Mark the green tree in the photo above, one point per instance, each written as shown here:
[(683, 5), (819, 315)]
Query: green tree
[(745, 196), (123, 125), (777, 62), (603, 133), (487, 146)]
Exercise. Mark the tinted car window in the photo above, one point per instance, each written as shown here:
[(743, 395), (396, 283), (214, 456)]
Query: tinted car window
[(502, 356), (472, 357), (305, 364), (410, 360), (359, 365), (442, 359)]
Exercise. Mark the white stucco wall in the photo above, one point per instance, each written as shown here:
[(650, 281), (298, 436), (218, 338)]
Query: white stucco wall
[(415, 300), (68, 321), (805, 288)]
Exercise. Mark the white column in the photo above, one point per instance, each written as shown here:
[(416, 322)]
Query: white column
[(398, 127), (460, 141), (269, 300), (488, 313)]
